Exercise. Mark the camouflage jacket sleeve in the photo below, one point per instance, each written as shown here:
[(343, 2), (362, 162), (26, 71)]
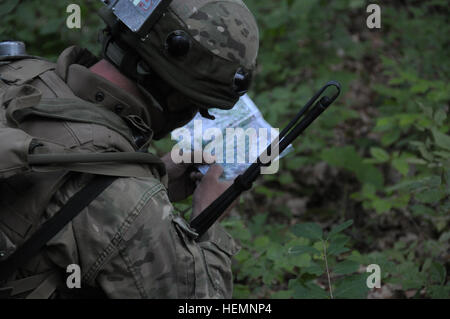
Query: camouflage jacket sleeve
[(131, 244)]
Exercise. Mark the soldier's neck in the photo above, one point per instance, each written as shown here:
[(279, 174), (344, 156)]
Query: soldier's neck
[(113, 75)]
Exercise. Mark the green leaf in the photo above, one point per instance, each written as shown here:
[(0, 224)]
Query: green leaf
[(420, 87), (314, 270), (52, 26), (275, 252), (282, 294), (379, 154), (308, 230), (408, 275), (286, 179), (269, 277), (296, 162), (445, 155), (340, 228), (430, 196), (288, 264), (390, 137), (445, 237), (344, 157), (437, 273), (381, 205), (7, 6), (348, 158), (406, 120), (353, 287), (261, 242), (241, 291), (385, 123), (371, 175), (346, 267), (422, 210), (439, 117), (356, 4), (401, 165), (299, 250), (311, 291), (336, 251), (441, 139), (337, 245), (439, 292), (425, 153), (265, 191), (417, 161)]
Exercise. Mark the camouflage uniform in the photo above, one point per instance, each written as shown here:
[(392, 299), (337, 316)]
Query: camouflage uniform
[(129, 242)]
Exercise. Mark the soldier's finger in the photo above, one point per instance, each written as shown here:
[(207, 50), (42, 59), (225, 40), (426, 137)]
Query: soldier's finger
[(200, 157), (209, 158), (214, 172), (196, 176)]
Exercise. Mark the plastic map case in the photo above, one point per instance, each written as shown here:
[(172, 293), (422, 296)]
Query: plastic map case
[(233, 153)]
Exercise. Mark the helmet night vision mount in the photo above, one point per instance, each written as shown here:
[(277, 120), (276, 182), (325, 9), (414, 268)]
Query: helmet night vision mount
[(138, 15)]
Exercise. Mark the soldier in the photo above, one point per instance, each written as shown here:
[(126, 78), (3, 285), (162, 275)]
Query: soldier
[(129, 242)]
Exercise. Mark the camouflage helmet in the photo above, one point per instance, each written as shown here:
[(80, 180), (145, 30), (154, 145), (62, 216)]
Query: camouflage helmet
[(205, 49)]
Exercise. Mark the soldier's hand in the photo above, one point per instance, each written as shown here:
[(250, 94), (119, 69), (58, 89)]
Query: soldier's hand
[(209, 189), (183, 177)]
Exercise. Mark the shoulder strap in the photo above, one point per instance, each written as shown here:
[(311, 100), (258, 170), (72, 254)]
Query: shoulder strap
[(78, 162), (23, 71), (51, 227)]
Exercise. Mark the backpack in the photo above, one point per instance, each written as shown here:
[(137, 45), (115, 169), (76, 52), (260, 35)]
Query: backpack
[(28, 165)]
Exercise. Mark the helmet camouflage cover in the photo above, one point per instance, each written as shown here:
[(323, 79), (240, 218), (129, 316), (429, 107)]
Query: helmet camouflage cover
[(223, 41), (226, 28)]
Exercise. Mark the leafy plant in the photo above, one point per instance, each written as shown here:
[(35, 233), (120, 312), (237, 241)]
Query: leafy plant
[(379, 157)]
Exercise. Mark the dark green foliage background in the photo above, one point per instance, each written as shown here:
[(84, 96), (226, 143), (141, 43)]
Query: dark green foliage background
[(380, 157)]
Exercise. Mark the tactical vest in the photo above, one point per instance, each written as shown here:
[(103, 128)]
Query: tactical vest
[(40, 115)]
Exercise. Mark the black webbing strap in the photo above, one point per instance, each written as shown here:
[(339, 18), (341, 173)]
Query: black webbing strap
[(54, 225)]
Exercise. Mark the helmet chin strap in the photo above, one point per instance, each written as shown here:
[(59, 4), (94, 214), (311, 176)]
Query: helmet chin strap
[(125, 60), (130, 64)]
